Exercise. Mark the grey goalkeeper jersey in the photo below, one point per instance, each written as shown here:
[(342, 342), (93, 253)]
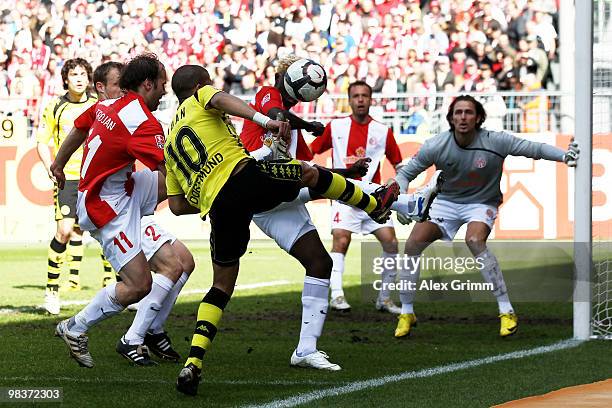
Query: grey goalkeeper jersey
[(473, 173)]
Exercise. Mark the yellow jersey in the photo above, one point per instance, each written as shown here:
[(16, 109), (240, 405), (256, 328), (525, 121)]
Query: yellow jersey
[(201, 151), (57, 121)]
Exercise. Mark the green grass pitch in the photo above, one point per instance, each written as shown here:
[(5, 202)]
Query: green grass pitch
[(249, 362)]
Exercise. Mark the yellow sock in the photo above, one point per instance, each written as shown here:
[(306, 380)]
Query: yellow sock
[(56, 256), (109, 275), (209, 315), (75, 257), (335, 187)]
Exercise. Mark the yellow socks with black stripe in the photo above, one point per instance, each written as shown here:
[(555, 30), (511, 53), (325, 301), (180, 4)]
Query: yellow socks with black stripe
[(335, 187), (209, 315), (75, 257), (108, 275), (56, 257)]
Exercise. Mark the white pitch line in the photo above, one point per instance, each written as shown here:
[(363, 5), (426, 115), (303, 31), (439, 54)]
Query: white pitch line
[(307, 397), (97, 380)]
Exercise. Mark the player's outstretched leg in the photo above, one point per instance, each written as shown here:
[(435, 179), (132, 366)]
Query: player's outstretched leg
[(409, 207), (335, 187)]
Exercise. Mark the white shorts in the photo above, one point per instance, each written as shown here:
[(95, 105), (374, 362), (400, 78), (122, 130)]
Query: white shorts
[(121, 238), (353, 219), (153, 236), (286, 223), (449, 216)]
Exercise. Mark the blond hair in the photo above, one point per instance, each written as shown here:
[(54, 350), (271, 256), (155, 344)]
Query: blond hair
[(285, 62)]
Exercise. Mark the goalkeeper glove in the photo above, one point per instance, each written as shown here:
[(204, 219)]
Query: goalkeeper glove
[(571, 156), (403, 219)]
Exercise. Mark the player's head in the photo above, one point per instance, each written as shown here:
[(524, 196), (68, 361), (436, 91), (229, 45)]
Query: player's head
[(465, 114), (76, 75), (106, 80), (146, 76), (360, 98), (281, 69), (188, 79)]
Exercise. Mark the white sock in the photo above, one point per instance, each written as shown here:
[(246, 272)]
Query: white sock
[(148, 309), (336, 274), (491, 273), (388, 276), (314, 311), (409, 274), (158, 323), (101, 307)]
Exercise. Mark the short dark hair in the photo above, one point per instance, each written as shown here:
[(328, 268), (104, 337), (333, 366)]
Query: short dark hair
[(139, 69), (72, 64), (480, 110), (185, 78), (359, 83), (101, 72)]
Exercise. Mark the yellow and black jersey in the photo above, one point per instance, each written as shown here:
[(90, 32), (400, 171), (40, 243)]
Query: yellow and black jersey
[(57, 121), (202, 149)]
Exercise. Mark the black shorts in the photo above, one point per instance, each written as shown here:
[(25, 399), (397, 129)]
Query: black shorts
[(258, 187), (65, 200)]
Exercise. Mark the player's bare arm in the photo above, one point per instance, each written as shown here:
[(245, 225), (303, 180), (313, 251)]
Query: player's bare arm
[(73, 141), (45, 157), (180, 206), (237, 107)]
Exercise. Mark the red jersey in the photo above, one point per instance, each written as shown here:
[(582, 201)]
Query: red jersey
[(351, 141), (252, 134), (121, 131)]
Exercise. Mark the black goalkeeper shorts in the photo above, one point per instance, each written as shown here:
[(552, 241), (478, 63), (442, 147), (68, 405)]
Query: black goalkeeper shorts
[(258, 187)]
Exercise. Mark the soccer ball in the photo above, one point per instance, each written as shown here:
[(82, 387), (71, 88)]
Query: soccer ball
[(305, 80)]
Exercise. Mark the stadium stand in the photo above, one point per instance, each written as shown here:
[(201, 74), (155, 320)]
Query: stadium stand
[(396, 46)]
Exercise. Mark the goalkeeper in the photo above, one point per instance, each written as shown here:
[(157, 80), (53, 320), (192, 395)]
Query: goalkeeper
[(472, 158)]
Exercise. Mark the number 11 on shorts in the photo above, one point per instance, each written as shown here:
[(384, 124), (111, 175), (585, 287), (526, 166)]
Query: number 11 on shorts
[(125, 239)]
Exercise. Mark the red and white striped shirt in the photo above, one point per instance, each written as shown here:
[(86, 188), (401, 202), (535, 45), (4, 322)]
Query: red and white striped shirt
[(121, 131), (351, 141)]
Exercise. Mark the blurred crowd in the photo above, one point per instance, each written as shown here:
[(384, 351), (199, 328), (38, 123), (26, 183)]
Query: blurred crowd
[(397, 46)]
